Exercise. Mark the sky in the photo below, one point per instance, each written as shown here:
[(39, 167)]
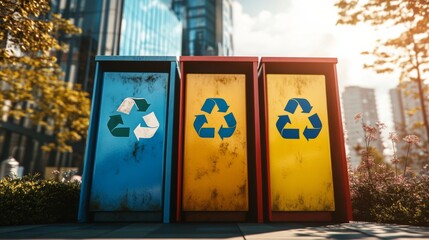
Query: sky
[(307, 28)]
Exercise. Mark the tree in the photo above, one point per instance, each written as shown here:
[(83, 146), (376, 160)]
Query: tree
[(30, 77), (407, 51)]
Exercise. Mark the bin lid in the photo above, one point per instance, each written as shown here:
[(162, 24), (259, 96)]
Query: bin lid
[(11, 161)]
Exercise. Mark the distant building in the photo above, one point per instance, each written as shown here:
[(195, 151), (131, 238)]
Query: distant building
[(207, 26), (109, 27), (359, 100), (406, 109), (397, 109), (408, 119)]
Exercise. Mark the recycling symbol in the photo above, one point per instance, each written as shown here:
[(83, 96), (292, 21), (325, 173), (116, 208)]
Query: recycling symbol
[(207, 132), (140, 131), (310, 132)]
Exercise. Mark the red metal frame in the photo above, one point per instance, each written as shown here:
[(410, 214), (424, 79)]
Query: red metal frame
[(325, 66), (257, 144), (210, 64), (180, 143)]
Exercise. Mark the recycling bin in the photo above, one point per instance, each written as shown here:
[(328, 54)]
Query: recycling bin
[(128, 161), (219, 165), (305, 168)]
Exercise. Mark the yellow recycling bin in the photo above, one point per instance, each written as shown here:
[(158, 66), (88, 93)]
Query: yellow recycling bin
[(306, 170), (217, 163)]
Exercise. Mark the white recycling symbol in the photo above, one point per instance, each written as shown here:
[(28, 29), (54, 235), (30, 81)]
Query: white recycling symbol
[(152, 126), (140, 132)]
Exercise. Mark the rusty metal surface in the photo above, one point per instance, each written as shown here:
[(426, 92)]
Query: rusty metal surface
[(128, 163), (215, 143), (299, 145)]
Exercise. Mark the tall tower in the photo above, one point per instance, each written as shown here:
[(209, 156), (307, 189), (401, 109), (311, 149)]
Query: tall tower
[(207, 26), (408, 119), (359, 100), (149, 28)]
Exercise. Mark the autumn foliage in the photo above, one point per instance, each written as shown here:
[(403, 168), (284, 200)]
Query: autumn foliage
[(31, 80), (405, 52)]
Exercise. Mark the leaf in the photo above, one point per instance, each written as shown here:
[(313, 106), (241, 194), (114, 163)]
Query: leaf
[(31, 77)]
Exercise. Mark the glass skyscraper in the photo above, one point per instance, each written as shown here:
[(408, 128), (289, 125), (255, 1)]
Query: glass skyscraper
[(149, 28), (100, 21), (116, 27), (207, 26)]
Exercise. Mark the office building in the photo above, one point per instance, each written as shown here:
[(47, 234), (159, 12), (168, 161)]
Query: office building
[(408, 119), (357, 100), (406, 109), (116, 27), (149, 28), (207, 27)]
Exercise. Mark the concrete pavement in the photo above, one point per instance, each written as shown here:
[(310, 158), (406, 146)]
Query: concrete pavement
[(249, 231)]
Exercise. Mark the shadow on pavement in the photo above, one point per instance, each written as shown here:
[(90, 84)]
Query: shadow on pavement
[(248, 231)]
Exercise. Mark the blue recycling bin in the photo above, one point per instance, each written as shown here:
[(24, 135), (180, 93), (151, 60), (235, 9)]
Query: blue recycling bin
[(127, 168)]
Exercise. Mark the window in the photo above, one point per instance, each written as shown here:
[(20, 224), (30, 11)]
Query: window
[(196, 3), (197, 22), (196, 12)]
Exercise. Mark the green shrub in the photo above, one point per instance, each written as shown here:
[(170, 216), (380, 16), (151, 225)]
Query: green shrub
[(390, 199), (29, 200), (382, 193), (379, 192)]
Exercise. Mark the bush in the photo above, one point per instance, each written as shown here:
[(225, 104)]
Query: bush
[(379, 193), (29, 200), (390, 199)]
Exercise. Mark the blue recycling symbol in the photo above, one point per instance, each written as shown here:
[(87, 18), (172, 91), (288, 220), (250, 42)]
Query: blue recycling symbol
[(310, 132), (208, 132)]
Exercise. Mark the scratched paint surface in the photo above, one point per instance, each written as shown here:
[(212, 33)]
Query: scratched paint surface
[(128, 173), (300, 169), (215, 169)]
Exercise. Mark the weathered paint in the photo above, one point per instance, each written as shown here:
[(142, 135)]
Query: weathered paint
[(128, 172), (300, 169), (215, 170)]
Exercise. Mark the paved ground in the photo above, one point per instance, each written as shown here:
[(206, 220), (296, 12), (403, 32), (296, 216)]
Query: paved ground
[(250, 231)]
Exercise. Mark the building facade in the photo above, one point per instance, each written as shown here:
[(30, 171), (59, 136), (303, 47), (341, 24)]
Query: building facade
[(100, 22), (149, 28), (357, 100), (109, 27), (207, 27), (408, 119), (406, 109), (116, 27)]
